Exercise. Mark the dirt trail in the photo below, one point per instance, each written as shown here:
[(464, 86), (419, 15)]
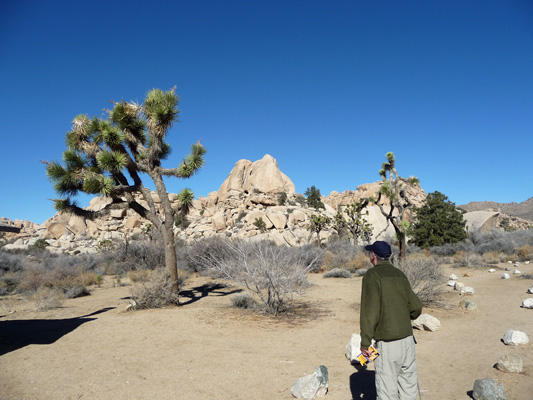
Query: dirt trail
[(92, 349)]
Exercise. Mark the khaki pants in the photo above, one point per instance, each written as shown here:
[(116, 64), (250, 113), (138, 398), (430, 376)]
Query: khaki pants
[(396, 375)]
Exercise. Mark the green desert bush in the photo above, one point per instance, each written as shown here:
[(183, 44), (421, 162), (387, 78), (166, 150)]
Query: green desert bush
[(337, 273)]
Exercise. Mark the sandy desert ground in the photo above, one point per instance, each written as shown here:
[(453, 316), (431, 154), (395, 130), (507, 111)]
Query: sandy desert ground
[(91, 348)]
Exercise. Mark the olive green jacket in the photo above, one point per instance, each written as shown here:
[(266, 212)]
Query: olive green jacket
[(388, 304)]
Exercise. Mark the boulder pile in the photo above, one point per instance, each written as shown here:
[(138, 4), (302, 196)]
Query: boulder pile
[(252, 192)]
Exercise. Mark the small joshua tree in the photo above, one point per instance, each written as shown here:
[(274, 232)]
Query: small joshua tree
[(317, 223), (356, 224), (392, 200), (110, 157)]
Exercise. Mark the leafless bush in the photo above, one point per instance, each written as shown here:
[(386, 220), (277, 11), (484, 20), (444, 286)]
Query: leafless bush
[(426, 277), (244, 300), (273, 273), (210, 248), (46, 298), (155, 292), (469, 260), (337, 273)]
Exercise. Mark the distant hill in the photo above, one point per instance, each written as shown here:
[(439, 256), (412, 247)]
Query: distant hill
[(521, 210)]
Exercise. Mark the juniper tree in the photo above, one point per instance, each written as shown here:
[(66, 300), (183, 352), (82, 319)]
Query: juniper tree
[(437, 222), (111, 157), (393, 201), (313, 198)]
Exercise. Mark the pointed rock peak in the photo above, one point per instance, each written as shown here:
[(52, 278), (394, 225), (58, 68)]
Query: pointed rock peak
[(262, 175)]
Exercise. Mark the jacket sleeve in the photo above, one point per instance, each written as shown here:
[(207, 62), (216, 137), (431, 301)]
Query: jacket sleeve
[(415, 305), (370, 310)]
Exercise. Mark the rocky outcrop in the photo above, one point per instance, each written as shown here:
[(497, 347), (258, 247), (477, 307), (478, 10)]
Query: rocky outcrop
[(246, 206), (485, 221), (523, 210), (25, 228), (415, 193), (262, 176)]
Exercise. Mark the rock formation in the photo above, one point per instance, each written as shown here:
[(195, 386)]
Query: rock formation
[(250, 192)]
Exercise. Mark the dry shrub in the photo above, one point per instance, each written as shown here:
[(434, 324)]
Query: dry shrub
[(46, 298), (468, 259), (244, 300), (273, 273), (525, 252), (426, 277), (329, 261), (142, 275), (71, 281), (349, 262), (89, 278), (360, 262), (337, 273), (493, 257), (156, 292), (32, 278)]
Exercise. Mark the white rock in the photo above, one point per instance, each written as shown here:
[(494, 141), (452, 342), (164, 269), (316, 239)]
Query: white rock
[(506, 276), (527, 303), (527, 262), (492, 270), (426, 322), (467, 290), (514, 338), (310, 386), (530, 290), (510, 363), (516, 272), (451, 283), (509, 262), (453, 277), (353, 348), (459, 285)]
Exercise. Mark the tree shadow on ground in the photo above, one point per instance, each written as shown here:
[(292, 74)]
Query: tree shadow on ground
[(362, 383), (17, 334), (199, 292)]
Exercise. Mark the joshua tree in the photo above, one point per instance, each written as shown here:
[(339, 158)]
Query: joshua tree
[(108, 157), (392, 200), (317, 223), (356, 223)]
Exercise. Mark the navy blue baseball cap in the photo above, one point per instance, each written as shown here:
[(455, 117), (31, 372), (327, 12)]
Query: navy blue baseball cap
[(380, 249)]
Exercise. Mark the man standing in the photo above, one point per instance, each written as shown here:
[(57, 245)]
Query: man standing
[(388, 304)]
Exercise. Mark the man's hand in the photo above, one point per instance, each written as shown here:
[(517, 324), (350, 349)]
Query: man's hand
[(367, 353)]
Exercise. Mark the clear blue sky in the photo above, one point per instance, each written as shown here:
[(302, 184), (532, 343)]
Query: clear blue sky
[(325, 87)]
